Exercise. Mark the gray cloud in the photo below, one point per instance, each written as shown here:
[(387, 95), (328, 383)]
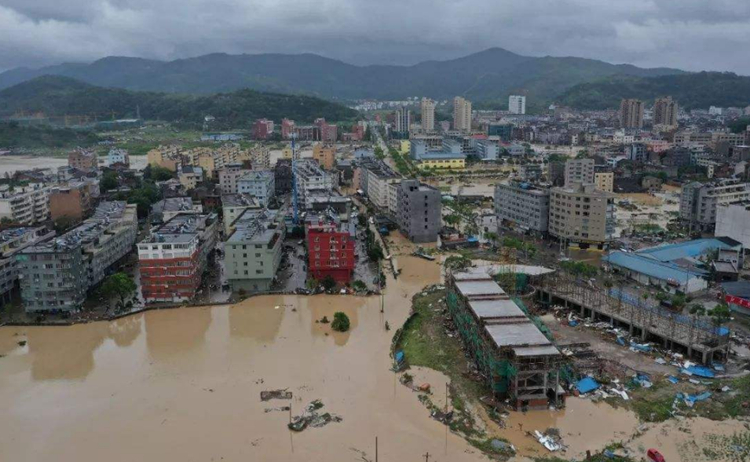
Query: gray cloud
[(688, 34)]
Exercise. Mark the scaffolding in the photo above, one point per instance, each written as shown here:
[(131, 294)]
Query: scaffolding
[(515, 357)]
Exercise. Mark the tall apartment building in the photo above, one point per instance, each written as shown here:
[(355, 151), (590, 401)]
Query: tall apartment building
[(282, 173), (522, 206), (379, 183), (418, 211), (428, 114), (174, 257), (637, 152), (487, 149), (57, 273), (259, 184), (631, 113), (259, 157), (229, 176), (402, 120), (262, 129), (699, 201), (328, 132), (13, 241), (665, 113), (579, 171), (310, 177), (287, 128), (26, 205), (169, 157), (517, 104), (83, 160), (252, 253), (233, 206), (461, 114), (581, 214), (325, 154), (503, 131), (330, 246)]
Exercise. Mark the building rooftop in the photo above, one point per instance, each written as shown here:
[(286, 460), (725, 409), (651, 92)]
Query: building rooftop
[(239, 200), (488, 288), (181, 228), (487, 310), (523, 337), (256, 227), (688, 249), (174, 204)]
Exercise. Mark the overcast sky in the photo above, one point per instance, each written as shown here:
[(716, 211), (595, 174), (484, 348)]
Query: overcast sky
[(687, 34)]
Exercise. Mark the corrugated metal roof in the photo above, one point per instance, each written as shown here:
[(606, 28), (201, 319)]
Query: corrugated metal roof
[(688, 249), (651, 267)]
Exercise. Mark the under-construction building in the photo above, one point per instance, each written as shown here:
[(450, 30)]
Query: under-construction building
[(519, 362)]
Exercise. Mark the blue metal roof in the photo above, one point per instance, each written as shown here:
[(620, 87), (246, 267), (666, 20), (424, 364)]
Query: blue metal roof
[(651, 267), (688, 249)]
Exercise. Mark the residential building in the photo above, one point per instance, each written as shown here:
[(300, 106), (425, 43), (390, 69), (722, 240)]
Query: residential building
[(73, 201), (57, 273), (325, 154), (522, 206), (530, 171), (637, 152), (174, 257), (461, 114), (733, 221), (330, 244), (282, 176), (25, 205), (604, 179), (418, 211), (310, 178), (83, 160), (118, 157), (258, 183), (428, 114), (379, 184), (234, 205), (631, 113), (579, 171), (229, 176), (449, 157), (581, 214), (699, 202), (328, 132), (262, 129), (517, 104), (13, 241), (402, 121), (665, 113), (287, 128), (252, 253), (260, 157), (168, 208), (169, 157), (190, 177)]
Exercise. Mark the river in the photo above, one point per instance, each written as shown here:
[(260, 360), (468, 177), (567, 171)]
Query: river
[(184, 385)]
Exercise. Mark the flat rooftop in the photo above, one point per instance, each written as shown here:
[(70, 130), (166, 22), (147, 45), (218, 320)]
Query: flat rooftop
[(524, 337), (487, 288), (487, 310)]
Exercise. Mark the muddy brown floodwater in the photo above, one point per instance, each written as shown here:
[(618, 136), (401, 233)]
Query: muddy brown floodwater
[(184, 385)]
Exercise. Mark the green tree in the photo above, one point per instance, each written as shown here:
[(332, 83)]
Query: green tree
[(452, 219), (340, 322), (720, 314), (109, 181), (118, 285), (328, 282)]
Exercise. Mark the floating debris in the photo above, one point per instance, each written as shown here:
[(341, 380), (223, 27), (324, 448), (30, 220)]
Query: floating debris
[(312, 418), (275, 394)]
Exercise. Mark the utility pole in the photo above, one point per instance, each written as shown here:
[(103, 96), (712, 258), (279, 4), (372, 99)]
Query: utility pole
[(376, 449), (427, 457)]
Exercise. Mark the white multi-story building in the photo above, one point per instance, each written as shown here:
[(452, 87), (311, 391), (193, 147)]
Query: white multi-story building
[(517, 104), (461, 114), (260, 184), (118, 156), (310, 178), (26, 205)]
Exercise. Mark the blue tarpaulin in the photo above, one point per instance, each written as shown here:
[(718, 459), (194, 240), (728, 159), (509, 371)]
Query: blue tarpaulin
[(587, 384), (692, 399), (699, 371), (673, 379), (399, 356)]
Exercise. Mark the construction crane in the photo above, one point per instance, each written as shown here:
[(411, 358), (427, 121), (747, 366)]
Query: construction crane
[(295, 205)]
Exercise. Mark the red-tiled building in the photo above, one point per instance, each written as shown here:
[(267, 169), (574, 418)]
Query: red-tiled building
[(262, 129), (330, 245)]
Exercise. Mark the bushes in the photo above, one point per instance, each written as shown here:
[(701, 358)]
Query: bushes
[(340, 322)]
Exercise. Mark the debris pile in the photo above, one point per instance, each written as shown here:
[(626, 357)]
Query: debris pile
[(268, 395), (312, 418), (550, 439)]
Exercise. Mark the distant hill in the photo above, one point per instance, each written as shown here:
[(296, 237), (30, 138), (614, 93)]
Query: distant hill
[(59, 96), (697, 90), (487, 76)]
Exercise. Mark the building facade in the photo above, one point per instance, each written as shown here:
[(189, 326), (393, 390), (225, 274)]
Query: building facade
[(252, 253), (699, 202), (582, 215), (579, 171), (259, 184), (631, 113), (517, 104), (325, 154), (665, 113), (330, 245), (428, 114), (174, 257), (461, 114), (522, 206), (26, 205), (418, 211)]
